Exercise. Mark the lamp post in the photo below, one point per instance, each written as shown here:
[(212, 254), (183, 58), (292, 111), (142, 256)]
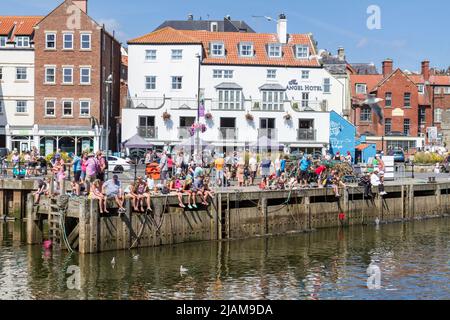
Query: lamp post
[(108, 82), (197, 133)]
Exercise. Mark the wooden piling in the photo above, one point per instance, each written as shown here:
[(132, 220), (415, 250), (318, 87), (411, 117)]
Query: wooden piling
[(34, 223), (83, 237), (219, 216), (94, 226)]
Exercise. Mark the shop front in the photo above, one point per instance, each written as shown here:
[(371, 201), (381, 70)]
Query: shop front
[(71, 140), (20, 139)]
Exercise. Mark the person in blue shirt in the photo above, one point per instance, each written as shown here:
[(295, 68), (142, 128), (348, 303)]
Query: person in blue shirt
[(304, 165), (76, 168)]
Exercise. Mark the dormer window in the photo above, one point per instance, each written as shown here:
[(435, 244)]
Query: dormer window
[(301, 51), (22, 42), (246, 49), (217, 49), (274, 50)]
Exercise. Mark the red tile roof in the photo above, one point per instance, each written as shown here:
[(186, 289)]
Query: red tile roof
[(231, 40), (371, 80), (440, 80), (19, 25)]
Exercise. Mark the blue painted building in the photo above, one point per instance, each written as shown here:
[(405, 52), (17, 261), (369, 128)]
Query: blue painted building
[(364, 150), (342, 135)]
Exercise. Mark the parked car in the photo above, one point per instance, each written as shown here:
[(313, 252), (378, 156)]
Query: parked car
[(118, 165), (399, 156)]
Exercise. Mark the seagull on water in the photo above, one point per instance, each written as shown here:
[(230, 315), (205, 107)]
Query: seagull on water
[(113, 261), (136, 257), (377, 221), (183, 269)]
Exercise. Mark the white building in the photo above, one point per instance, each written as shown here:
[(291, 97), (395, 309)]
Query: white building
[(272, 77), (17, 82)]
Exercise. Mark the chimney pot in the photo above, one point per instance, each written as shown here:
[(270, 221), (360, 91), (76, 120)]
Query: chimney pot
[(341, 53), (82, 4), (388, 67), (282, 28), (426, 70)]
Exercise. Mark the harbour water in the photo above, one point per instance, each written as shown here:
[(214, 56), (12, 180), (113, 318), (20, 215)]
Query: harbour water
[(413, 260)]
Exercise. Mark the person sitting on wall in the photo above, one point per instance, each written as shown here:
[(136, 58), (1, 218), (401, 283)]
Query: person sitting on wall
[(207, 192), (42, 190), (96, 193), (113, 190), (365, 182), (176, 185), (377, 180), (142, 192)]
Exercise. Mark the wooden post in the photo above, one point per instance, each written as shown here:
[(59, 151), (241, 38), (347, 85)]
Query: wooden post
[(2, 203), (308, 212), (94, 226), (83, 236), (126, 225), (62, 187), (438, 199), (219, 216), (17, 204), (265, 215), (411, 201), (52, 185), (403, 207), (34, 224), (227, 217)]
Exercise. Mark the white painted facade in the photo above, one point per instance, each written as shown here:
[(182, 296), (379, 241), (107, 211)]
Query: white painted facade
[(183, 103), (17, 97)]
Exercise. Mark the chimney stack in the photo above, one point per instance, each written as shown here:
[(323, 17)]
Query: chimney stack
[(426, 70), (82, 4), (388, 67), (341, 53), (282, 28)]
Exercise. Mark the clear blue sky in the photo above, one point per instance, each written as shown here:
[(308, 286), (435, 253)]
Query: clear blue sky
[(411, 31)]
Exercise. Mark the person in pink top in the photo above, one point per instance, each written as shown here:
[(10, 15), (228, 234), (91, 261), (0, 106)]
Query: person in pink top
[(92, 168)]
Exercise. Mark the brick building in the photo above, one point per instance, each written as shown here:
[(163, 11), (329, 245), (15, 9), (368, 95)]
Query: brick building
[(412, 104), (74, 57), (406, 106)]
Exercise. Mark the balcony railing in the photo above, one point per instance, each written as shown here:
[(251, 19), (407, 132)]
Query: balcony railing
[(269, 133), (227, 106), (183, 133), (306, 134), (148, 132), (310, 105), (228, 133), (259, 105), (146, 103)]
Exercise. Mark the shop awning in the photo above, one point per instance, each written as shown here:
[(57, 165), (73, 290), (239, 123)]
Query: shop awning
[(306, 145), (137, 142), (362, 147)]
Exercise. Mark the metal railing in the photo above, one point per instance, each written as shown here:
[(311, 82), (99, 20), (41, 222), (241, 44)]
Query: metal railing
[(228, 133), (306, 134), (145, 103), (259, 105), (269, 133), (227, 106), (309, 105), (148, 132)]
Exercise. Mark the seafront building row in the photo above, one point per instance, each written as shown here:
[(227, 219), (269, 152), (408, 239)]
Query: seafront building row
[(67, 83)]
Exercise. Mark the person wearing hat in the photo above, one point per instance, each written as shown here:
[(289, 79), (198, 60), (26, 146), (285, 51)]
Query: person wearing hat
[(377, 182), (113, 191)]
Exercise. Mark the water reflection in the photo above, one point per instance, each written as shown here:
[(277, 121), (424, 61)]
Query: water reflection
[(328, 264)]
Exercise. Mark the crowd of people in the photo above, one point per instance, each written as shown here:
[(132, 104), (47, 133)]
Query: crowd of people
[(194, 183)]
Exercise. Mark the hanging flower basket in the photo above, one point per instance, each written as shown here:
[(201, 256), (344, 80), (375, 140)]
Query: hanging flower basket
[(208, 116), (249, 117), (295, 106), (166, 116), (197, 127), (287, 117)]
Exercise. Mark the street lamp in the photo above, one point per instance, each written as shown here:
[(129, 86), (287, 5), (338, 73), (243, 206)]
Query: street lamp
[(108, 82), (197, 137)]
